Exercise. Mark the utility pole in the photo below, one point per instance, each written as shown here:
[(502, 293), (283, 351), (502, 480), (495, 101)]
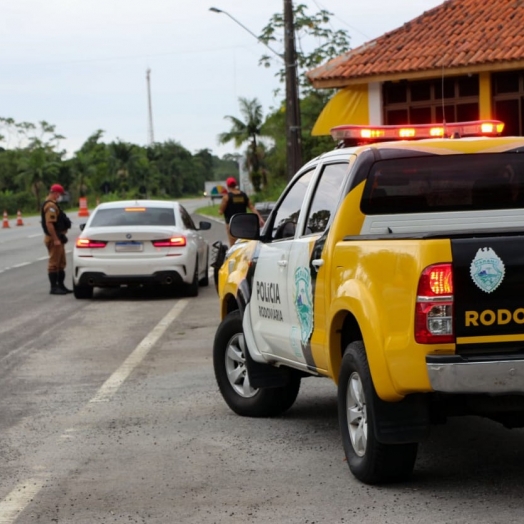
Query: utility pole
[(293, 124), (151, 135)]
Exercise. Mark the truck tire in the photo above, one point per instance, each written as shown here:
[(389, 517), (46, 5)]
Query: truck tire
[(370, 461), (233, 379)]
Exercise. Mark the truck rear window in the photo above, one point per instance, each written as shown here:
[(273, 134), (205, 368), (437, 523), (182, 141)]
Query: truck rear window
[(445, 183)]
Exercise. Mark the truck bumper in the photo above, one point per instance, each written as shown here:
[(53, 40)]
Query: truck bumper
[(458, 374)]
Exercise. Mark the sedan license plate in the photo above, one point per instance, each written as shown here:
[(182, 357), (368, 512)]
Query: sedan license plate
[(129, 246)]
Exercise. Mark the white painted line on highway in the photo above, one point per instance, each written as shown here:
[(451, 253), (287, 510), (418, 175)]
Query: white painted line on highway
[(16, 501), (23, 494), (111, 385), (22, 264)]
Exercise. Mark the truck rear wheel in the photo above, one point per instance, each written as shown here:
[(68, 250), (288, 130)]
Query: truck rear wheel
[(233, 379), (369, 460)]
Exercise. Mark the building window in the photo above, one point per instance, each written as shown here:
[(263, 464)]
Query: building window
[(508, 101), (423, 102)]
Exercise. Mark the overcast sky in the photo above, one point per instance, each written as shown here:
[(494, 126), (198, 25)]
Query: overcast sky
[(81, 64)]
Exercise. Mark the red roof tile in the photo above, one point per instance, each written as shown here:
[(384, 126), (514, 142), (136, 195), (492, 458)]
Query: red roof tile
[(458, 33)]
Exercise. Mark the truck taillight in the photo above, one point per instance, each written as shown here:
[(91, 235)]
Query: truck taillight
[(434, 308)]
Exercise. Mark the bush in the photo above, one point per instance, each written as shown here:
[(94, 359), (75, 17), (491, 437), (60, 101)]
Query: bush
[(270, 193), (14, 202)]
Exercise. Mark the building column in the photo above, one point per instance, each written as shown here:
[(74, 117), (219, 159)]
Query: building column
[(485, 98)]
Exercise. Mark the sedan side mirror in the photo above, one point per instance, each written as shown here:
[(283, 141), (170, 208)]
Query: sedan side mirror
[(81, 226), (204, 225)]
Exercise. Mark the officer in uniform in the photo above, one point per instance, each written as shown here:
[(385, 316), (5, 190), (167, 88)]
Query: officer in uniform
[(55, 224), (235, 201)]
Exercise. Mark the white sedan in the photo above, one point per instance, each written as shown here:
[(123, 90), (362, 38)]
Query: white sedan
[(140, 242)]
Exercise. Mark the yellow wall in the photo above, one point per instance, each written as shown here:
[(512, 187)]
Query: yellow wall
[(347, 106)]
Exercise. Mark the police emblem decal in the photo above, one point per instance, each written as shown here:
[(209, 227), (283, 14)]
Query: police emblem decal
[(304, 303), (487, 270)]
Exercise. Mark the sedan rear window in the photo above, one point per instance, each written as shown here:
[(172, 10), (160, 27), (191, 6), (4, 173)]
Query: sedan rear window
[(134, 216)]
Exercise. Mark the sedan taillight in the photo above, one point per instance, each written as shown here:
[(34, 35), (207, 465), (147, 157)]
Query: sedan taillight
[(171, 242), (91, 244)]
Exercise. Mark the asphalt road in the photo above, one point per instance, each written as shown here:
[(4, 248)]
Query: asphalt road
[(109, 413)]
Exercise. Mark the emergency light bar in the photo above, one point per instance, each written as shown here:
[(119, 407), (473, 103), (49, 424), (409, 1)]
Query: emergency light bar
[(365, 134)]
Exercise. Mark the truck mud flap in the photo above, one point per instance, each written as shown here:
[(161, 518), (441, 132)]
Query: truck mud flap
[(402, 422)]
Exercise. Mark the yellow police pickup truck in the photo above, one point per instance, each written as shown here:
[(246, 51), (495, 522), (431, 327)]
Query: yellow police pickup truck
[(395, 268)]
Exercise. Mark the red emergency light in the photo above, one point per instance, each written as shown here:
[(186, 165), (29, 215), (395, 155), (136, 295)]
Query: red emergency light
[(366, 134)]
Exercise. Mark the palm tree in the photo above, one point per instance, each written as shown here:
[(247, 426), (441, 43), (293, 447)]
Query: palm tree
[(123, 158), (247, 131), (36, 169), (84, 169)]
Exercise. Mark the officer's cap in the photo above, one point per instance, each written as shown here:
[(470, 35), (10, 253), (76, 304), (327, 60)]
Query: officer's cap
[(57, 188)]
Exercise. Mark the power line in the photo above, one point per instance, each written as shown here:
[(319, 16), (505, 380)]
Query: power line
[(320, 6)]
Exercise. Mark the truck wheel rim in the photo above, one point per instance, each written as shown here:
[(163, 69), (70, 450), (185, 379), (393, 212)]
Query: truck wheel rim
[(356, 414), (236, 367)]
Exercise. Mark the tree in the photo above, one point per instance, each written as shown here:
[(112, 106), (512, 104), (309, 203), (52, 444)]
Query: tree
[(308, 28), (313, 32), (98, 176), (30, 163), (248, 130), (37, 170), (123, 157), (84, 170)]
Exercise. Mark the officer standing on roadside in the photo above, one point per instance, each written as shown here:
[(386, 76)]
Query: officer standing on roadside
[(55, 224), (233, 202)]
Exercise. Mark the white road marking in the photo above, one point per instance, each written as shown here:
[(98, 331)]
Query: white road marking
[(16, 501), (34, 236), (111, 385), (23, 494), (22, 264)]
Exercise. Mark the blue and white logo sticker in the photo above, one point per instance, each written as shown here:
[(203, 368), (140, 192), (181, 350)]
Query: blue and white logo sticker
[(304, 303), (487, 270)]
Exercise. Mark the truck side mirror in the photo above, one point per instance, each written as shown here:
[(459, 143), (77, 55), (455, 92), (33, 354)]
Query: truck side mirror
[(245, 225)]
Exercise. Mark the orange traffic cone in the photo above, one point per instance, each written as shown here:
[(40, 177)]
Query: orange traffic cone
[(82, 207), (19, 221), (5, 222)]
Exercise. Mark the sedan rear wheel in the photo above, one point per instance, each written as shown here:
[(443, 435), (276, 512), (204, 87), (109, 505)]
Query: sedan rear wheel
[(204, 281), (82, 292)]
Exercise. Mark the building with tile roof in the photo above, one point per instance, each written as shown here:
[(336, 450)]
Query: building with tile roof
[(462, 60)]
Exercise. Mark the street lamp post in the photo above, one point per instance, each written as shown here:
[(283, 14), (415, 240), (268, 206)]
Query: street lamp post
[(293, 126)]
